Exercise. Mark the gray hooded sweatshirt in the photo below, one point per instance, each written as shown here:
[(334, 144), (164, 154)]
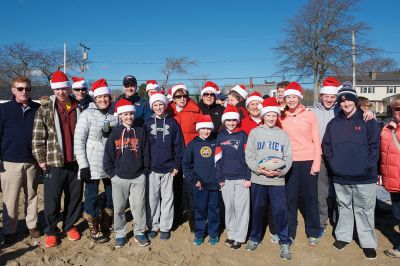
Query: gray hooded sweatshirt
[(324, 116), (265, 142)]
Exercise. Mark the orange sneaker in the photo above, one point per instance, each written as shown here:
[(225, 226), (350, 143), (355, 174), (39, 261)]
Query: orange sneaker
[(73, 234), (50, 241)]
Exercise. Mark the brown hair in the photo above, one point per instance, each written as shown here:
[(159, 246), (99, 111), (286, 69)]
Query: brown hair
[(363, 101), (180, 90), (282, 84), (236, 95), (21, 79), (395, 103)]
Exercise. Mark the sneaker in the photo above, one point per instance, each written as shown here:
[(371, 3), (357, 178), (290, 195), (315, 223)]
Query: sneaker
[(251, 245), (339, 245), (152, 234), (369, 253), (286, 254), (229, 242), (141, 240), (274, 239), (236, 245), (313, 241), (393, 253), (213, 241), (73, 234), (120, 242), (50, 241), (165, 235), (34, 233), (321, 233), (198, 241)]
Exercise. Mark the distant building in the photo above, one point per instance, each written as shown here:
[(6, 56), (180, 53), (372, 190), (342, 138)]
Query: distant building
[(268, 88)]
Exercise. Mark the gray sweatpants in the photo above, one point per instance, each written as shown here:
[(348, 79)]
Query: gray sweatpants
[(160, 214), (237, 209), (356, 201), (323, 193), (134, 190)]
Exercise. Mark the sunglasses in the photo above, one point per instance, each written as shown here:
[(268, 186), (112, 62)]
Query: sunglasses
[(208, 94), (79, 90), (181, 96), (20, 89)]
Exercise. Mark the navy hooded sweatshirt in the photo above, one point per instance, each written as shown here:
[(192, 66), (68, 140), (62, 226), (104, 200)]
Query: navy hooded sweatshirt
[(351, 148), (143, 110), (230, 158), (166, 143), (127, 153), (198, 163)]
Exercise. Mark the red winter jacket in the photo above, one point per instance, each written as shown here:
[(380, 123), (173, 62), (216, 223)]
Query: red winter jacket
[(390, 160), (247, 124), (186, 119)]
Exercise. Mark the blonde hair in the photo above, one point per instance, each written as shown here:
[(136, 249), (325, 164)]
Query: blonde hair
[(21, 79), (395, 103)]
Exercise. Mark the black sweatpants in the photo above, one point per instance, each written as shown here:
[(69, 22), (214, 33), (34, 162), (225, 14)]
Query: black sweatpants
[(61, 180)]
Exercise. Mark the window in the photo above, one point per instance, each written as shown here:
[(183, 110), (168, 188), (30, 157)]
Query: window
[(368, 90), (391, 90)]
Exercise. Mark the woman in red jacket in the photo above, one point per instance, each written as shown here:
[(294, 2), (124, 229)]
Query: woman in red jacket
[(390, 167)]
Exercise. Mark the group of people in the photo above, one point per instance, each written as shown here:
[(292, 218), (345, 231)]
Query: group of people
[(266, 158)]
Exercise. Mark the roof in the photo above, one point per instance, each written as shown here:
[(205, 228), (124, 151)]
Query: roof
[(375, 78)]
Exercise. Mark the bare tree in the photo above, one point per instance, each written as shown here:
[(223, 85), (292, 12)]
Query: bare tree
[(176, 65), (198, 83), (376, 64), (318, 40)]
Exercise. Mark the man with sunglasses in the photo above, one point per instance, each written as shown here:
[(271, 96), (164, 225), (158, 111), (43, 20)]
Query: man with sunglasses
[(52, 146), (80, 92), (143, 111), (20, 167)]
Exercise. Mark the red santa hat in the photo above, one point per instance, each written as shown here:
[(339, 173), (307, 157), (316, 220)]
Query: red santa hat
[(255, 96), (204, 121), (59, 80), (230, 113), (179, 86), (211, 87), (293, 88), (152, 85), (270, 105), (330, 85), (123, 106), (169, 94), (79, 83), (241, 89), (157, 96), (99, 87)]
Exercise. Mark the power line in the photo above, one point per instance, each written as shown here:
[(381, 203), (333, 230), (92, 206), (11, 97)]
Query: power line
[(199, 62)]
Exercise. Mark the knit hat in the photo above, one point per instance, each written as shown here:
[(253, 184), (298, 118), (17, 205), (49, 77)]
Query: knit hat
[(230, 113), (59, 80), (129, 80), (270, 105), (123, 106), (241, 89), (255, 96), (100, 87), (79, 83), (330, 85), (157, 96), (179, 86), (204, 121), (152, 85), (293, 88), (209, 86), (347, 93)]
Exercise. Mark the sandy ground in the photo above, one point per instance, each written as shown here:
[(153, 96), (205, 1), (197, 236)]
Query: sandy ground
[(179, 250)]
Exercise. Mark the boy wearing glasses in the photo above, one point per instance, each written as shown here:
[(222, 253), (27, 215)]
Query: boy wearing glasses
[(20, 167), (80, 92)]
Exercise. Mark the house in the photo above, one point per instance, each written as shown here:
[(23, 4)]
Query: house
[(268, 88)]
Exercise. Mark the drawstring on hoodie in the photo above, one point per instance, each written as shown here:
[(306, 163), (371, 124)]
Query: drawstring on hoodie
[(122, 141)]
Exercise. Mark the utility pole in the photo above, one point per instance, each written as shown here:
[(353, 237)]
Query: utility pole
[(353, 48), (65, 58), (84, 57)]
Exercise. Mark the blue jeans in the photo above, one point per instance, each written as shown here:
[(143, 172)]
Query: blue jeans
[(396, 209), (91, 204)]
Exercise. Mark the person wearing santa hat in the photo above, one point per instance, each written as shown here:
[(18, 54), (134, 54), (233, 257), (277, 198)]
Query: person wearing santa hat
[(237, 97), (152, 86), (253, 106), (52, 147), (91, 133), (166, 148), (199, 168), (269, 141), (302, 128), (280, 91), (80, 92), (233, 176), (209, 106), (127, 161)]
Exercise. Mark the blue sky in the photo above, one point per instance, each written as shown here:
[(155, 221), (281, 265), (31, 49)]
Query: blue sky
[(146, 32)]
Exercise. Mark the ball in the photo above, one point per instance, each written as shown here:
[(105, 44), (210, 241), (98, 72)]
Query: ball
[(272, 163)]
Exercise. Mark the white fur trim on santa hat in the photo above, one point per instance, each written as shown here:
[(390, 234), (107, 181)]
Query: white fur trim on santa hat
[(101, 91), (178, 87), (124, 109), (79, 84), (60, 85), (293, 92), (230, 116), (332, 90), (204, 125), (157, 97), (254, 98), (210, 89), (267, 109), (152, 86), (241, 91)]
